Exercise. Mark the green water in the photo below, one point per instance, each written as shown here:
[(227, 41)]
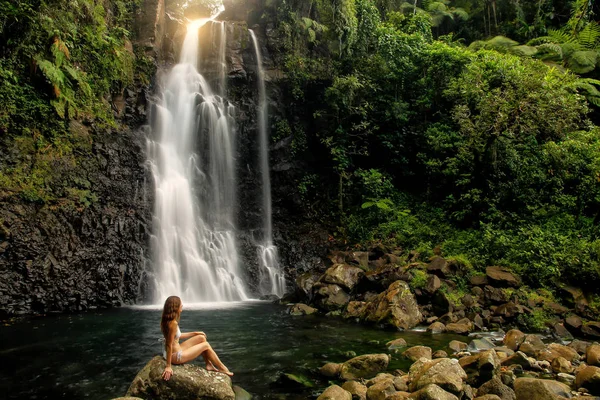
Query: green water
[(96, 355)]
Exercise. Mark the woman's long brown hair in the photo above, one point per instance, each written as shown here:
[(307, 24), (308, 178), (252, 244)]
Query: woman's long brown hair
[(170, 313)]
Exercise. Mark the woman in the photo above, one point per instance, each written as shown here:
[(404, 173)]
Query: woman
[(176, 353)]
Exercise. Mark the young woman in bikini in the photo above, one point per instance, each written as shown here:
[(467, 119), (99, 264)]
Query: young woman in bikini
[(176, 353)]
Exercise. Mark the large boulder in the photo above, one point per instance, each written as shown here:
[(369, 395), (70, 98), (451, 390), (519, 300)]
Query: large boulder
[(541, 389), (415, 353), (591, 329), (365, 366), (395, 307), (334, 392), (343, 275), (443, 372), (481, 367), (330, 297), (532, 345), (503, 277), (555, 350), (356, 389), (302, 309), (588, 378), (381, 390), (188, 382), (305, 283)]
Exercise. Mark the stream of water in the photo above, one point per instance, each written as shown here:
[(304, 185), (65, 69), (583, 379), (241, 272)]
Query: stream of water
[(96, 355)]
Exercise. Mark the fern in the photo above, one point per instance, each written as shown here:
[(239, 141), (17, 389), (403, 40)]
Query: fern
[(589, 88), (582, 62), (589, 37)]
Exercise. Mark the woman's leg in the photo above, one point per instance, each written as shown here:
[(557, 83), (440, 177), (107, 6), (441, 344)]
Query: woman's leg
[(196, 350), (194, 341)]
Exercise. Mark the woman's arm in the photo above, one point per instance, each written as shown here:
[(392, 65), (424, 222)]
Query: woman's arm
[(187, 335), (168, 372)]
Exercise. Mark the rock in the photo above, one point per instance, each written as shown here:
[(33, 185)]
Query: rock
[(302, 309), (460, 328), (496, 387), (440, 267), (502, 277), (519, 358), (494, 295), (241, 394), (436, 327), (395, 307), (440, 354), (433, 284), (440, 304), (330, 297), (479, 280), (591, 329), (356, 389), (556, 308), (365, 366), (432, 392), (457, 346), (513, 339), (540, 389), (561, 332), (558, 350), (573, 322), (444, 372), (396, 344), (579, 346), (343, 275), (561, 365), (330, 370), (488, 397), (481, 367), (355, 309), (334, 392), (360, 258), (127, 398), (305, 283), (294, 381), (188, 381), (417, 352), (480, 344), (381, 390), (399, 396), (532, 345), (380, 377), (588, 378), (592, 355)]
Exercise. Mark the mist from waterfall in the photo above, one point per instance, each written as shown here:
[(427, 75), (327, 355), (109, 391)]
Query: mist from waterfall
[(191, 155), (272, 279)]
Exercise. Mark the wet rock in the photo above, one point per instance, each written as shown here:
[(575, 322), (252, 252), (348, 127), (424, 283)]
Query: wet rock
[(399, 396), (567, 379), (334, 392), (496, 387), (432, 392), (330, 370), (503, 277), (305, 283), (417, 352), (355, 309), (241, 393), (395, 307), (592, 355), (462, 327), (188, 381), (561, 365), (519, 358), (436, 327), (457, 346), (365, 366), (532, 345), (294, 381), (381, 390), (480, 344), (588, 378), (488, 397), (560, 332), (396, 344), (343, 275), (359, 258), (444, 372), (540, 389), (356, 389), (302, 309), (331, 297)]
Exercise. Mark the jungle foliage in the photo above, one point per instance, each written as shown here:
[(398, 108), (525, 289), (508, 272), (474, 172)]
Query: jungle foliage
[(438, 131)]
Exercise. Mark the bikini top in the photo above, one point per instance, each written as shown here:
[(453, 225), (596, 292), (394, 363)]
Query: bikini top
[(177, 335)]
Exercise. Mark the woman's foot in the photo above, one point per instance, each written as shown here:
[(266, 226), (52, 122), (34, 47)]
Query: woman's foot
[(227, 372), (210, 367)]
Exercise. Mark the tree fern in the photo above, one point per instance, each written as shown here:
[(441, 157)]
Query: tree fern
[(582, 62), (589, 37)]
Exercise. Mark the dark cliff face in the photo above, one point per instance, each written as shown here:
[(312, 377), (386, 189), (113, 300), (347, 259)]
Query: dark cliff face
[(57, 259)]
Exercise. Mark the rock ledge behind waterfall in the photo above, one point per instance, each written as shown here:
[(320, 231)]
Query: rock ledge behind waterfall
[(188, 382)]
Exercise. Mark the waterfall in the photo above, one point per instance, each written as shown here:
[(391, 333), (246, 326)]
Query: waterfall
[(272, 279), (191, 155)]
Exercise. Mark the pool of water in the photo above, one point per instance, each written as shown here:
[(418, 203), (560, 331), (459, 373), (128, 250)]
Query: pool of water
[(96, 355)]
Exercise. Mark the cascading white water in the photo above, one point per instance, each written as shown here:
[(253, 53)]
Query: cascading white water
[(272, 279), (192, 161)]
